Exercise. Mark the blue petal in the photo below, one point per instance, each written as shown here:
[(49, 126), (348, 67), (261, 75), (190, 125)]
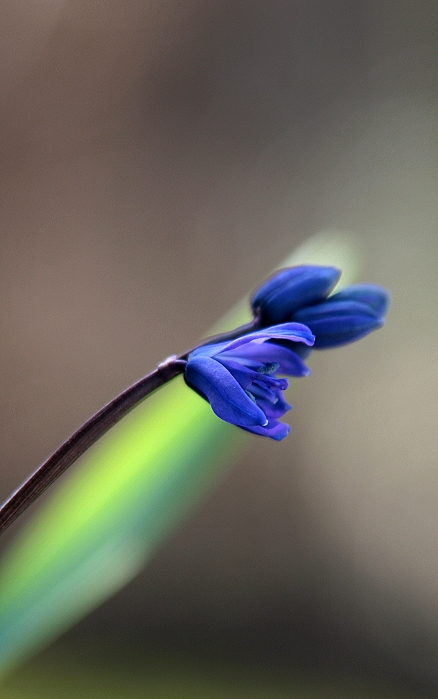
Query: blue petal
[(226, 397), (275, 430), (243, 375), (260, 385), (303, 351), (333, 306), (372, 295), (208, 350), (274, 410), (292, 288), (288, 361), (292, 332), (266, 394), (338, 322)]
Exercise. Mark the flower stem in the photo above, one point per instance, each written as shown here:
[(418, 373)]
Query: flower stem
[(95, 427), (84, 437)]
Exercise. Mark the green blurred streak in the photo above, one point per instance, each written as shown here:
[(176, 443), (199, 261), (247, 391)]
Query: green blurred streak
[(101, 526), (107, 517)]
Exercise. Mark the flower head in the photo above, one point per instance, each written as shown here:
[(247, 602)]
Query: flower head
[(295, 313), (238, 378), (301, 294), (346, 316), (290, 289)]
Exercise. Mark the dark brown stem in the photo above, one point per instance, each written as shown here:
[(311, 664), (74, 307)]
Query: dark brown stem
[(83, 438), (96, 426)]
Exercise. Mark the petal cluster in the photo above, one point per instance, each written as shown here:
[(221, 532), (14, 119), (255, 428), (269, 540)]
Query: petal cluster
[(239, 378), (295, 312), (291, 289), (301, 294)]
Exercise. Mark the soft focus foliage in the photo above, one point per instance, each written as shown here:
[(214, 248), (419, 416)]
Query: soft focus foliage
[(89, 673), (102, 524), (149, 151)]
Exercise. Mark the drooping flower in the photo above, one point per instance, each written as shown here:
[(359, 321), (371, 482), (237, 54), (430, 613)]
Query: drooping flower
[(291, 289), (345, 316), (239, 378), (295, 313), (301, 294)]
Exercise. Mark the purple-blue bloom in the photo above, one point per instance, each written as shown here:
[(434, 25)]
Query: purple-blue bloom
[(238, 378), (295, 313), (290, 289), (346, 316), (299, 294)]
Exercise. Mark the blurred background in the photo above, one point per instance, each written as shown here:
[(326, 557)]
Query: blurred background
[(158, 159)]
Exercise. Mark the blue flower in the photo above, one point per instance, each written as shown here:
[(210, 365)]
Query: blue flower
[(346, 316), (294, 313), (291, 289), (238, 378), (299, 294)]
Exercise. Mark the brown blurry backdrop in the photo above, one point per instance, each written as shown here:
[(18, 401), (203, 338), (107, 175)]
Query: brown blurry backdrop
[(157, 160)]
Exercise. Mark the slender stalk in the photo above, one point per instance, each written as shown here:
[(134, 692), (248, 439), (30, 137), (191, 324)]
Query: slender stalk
[(83, 438), (96, 426)]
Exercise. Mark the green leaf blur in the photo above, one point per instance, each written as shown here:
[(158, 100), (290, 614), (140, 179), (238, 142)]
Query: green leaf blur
[(109, 514)]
